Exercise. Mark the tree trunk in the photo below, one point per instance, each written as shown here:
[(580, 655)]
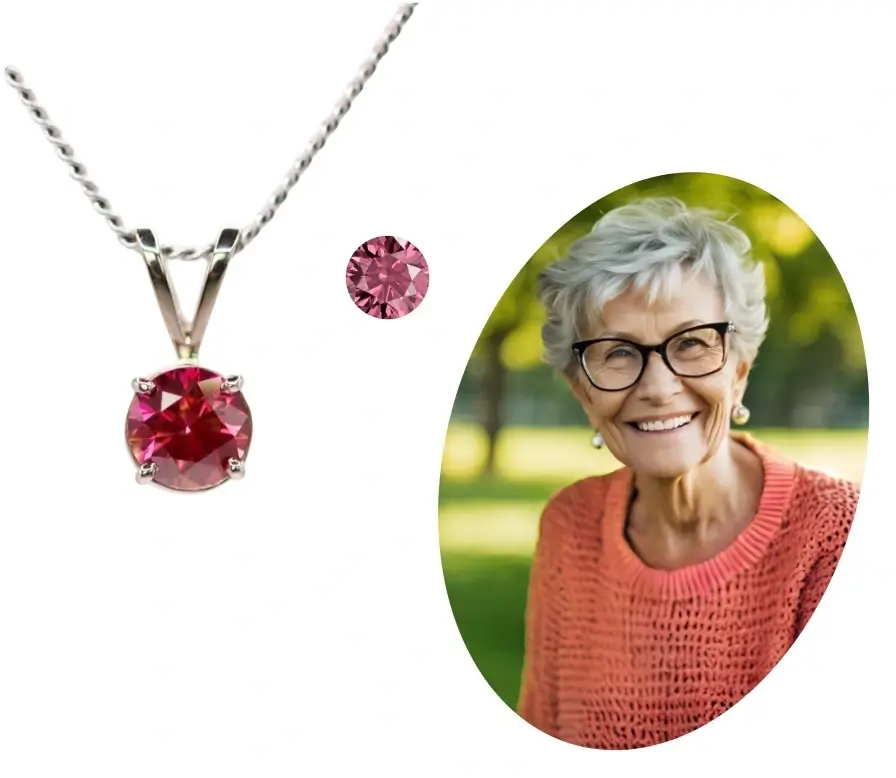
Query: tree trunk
[(492, 398)]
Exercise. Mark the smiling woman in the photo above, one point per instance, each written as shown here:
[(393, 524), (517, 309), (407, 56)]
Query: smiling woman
[(662, 592), (624, 594)]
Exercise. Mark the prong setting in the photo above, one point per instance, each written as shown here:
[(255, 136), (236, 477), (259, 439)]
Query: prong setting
[(164, 428), (146, 472), (143, 386), (236, 469), (232, 384)]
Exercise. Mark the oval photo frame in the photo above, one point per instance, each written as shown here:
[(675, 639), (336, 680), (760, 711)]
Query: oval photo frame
[(585, 606)]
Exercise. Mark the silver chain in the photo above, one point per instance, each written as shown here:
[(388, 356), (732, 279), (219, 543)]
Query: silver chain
[(127, 236)]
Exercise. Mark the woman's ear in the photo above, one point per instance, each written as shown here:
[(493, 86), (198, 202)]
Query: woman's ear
[(740, 380), (581, 390)]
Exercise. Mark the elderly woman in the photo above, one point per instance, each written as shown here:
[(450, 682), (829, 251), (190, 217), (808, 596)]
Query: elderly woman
[(662, 593)]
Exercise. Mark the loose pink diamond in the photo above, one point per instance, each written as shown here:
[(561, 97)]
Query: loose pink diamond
[(387, 277), (189, 428)]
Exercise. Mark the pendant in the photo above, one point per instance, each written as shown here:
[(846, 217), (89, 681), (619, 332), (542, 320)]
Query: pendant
[(188, 428)]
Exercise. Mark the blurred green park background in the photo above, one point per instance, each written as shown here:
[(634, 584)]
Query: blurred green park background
[(516, 435)]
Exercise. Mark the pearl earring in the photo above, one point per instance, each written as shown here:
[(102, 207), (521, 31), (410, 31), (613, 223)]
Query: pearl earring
[(740, 414), (598, 440)]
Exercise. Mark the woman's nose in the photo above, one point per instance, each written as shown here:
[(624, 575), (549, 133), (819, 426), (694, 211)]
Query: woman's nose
[(658, 383)]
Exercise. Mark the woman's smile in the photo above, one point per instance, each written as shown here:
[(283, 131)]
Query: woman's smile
[(663, 426)]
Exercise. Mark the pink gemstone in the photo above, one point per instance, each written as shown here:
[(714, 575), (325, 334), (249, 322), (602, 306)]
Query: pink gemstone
[(387, 277), (189, 428)]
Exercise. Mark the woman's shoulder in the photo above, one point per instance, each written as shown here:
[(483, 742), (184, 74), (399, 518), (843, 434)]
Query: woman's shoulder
[(584, 498), (823, 487), (820, 502), (821, 490), (823, 503)]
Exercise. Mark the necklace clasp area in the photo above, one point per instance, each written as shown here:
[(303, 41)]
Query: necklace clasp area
[(186, 334)]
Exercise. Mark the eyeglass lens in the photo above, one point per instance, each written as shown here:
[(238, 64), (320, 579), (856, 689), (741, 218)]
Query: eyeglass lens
[(616, 364)]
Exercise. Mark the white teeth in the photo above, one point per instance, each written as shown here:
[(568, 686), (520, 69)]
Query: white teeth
[(665, 424)]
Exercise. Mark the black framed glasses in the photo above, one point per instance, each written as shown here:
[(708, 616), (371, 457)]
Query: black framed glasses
[(615, 364)]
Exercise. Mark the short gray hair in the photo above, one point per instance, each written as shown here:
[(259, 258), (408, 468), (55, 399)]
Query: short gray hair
[(652, 244)]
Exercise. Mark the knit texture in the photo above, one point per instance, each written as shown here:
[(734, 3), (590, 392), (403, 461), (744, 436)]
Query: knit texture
[(621, 655)]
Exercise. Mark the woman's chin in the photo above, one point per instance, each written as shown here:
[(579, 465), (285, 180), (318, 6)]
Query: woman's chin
[(665, 459), (666, 469)]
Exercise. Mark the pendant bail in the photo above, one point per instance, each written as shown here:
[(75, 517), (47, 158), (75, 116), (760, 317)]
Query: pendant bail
[(186, 334)]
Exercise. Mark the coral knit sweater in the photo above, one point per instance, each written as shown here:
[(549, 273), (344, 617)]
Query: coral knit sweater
[(620, 655)]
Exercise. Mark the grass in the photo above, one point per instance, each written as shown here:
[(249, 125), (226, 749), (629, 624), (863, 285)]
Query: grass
[(488, 526)]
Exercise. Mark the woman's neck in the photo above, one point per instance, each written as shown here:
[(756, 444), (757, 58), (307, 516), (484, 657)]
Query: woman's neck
[(708, 499)]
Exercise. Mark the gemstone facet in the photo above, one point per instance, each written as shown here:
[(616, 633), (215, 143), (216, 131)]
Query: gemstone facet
[(387, 277), (191, 428)]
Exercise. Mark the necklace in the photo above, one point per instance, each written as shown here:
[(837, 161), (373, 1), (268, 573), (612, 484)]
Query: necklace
[(189, 428)]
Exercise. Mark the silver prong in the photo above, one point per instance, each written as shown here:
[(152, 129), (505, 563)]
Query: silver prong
[(143, 386), (232, 384), (146, 472), (236, 468)]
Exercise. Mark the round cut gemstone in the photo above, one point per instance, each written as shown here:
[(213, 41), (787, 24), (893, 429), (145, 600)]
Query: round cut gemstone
[(387, 277), (189, 428)]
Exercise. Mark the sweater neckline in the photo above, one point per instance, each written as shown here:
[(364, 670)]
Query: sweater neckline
[(700, 578)]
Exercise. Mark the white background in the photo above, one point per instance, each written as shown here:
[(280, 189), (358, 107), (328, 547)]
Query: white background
[(297, 622)]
